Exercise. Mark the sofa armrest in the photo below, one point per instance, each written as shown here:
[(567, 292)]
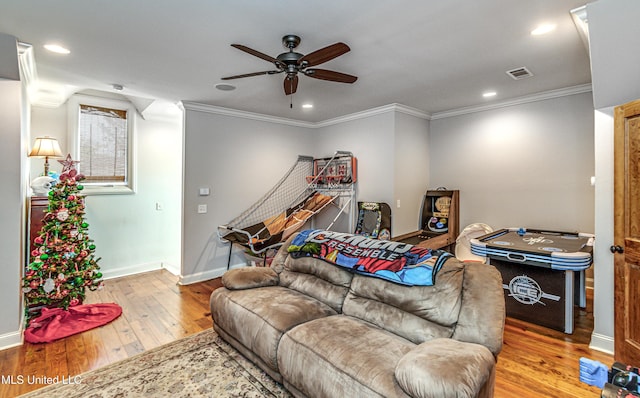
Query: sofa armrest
[(443, 368), (249, 278)]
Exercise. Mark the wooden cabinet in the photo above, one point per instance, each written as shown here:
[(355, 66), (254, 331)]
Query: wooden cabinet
[(38, 208), (37, 211)]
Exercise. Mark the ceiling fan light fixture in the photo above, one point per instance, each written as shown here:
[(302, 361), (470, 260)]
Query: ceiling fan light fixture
[(307, 106), (489, 94)]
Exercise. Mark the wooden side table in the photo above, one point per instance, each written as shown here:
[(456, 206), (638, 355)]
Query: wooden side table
[(37, 211)]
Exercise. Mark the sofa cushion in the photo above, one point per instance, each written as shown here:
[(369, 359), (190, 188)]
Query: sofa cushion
[(257, 318), (446, 368), (482, 304), (249, 278), (417, 313), (323, 281), (341, 356)]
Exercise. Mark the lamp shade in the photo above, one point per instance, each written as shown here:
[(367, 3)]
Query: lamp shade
[(46, 146)]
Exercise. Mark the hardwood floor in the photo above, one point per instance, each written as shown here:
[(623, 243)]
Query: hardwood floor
[(535, 361)]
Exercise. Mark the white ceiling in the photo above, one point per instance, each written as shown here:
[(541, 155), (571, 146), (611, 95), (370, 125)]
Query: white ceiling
[(435, 56)]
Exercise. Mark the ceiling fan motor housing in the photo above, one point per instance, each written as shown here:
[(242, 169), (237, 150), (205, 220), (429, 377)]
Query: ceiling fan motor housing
[(291, 41), (290, 58)]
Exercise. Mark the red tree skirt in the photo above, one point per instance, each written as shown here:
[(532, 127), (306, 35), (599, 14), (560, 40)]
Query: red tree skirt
[(57, 323)]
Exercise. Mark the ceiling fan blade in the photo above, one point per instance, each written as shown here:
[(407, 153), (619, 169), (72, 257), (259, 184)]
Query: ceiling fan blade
[(255, 53), (266, 72), (290, 85), (324, 54), (330, 75)]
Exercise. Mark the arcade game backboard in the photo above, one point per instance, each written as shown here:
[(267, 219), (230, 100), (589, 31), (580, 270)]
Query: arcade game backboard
[(439, 221)]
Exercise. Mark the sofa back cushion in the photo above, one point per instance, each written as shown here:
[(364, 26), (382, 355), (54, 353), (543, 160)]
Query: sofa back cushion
[(482, 313), (417, 313), (323, 281)]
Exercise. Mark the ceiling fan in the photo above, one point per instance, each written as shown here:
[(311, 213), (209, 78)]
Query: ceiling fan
[(291, 63)]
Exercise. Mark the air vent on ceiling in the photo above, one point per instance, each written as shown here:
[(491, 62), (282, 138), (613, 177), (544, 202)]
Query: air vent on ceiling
[(519, 73)]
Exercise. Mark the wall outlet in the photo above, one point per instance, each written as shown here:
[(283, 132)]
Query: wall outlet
[(398, 203), (159, 206), (202, 209)]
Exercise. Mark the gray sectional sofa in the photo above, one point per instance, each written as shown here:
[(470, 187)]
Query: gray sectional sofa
[(323, 331)]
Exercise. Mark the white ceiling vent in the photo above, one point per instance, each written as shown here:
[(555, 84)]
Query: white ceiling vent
[(519, 73)]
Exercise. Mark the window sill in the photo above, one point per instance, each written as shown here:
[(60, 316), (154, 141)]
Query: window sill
[(106, 189)]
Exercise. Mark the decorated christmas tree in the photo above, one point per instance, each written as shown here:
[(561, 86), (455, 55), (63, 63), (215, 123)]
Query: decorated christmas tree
[(62, 263)]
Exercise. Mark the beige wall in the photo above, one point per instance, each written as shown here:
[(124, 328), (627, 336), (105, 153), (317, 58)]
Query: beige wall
[(13, 151), (527, 165)]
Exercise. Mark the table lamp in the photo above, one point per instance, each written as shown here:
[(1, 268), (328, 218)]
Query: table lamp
[(45, 147)]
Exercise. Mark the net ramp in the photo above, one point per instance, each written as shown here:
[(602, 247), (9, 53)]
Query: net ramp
[(304, 191)]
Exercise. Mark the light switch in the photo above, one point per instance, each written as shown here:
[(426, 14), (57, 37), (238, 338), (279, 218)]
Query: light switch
[(204, 192)]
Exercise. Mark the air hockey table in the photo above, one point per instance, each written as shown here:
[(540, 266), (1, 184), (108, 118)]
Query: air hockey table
[(543, 272)]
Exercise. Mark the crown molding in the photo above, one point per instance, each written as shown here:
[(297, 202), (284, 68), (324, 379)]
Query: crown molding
[(218, 110), (373, 112), (563, 92), (195, 106), (27, 62)]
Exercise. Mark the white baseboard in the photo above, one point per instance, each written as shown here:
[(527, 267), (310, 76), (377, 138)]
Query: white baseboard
[(130, 270), (207, 275), (600, 342), (11, 339), (201, 276), (174, 269)]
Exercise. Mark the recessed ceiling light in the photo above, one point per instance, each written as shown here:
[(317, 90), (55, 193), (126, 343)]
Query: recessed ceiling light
[(56, 48), (307, 106), (225, 87), (489, 94), (542, 29)]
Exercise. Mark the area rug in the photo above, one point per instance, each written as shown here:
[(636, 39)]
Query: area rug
[(202, 365)]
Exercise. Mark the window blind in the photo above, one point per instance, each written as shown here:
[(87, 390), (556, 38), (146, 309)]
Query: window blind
[(103, 144)]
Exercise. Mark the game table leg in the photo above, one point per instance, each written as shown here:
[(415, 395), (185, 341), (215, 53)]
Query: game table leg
[(583, 289), (568, 301)]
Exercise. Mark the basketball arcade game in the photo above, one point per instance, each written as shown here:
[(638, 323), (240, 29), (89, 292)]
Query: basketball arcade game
[(539, 272), (439, 221)]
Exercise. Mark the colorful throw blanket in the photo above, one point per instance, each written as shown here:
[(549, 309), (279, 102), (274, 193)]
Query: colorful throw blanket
[(395, 261)]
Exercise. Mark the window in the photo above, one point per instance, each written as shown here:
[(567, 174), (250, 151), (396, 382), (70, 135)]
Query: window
[(102, 140)]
